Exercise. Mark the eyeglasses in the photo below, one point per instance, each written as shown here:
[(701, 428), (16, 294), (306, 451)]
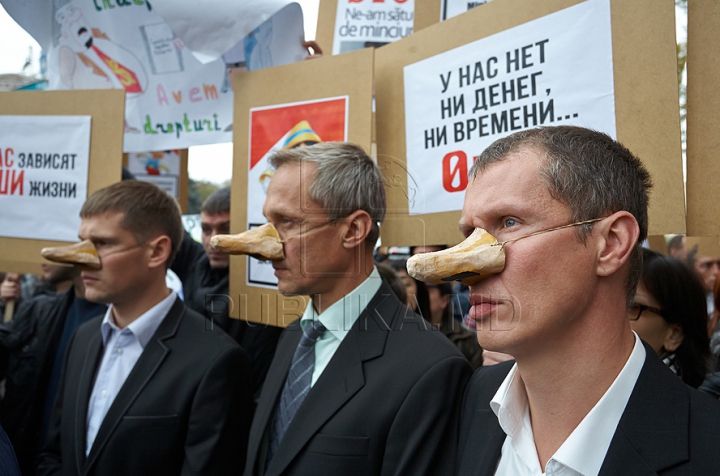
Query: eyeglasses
[(636, 309), (307, 231), (569, 225)]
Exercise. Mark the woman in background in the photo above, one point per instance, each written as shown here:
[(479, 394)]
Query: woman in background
[(669, 313)]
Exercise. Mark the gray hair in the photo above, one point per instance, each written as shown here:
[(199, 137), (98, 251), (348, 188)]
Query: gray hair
[(346, 179), (589, 172)]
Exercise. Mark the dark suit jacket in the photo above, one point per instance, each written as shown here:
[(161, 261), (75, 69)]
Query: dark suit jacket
[(8, 462), (206, 291), (667, 428), (184, 408), (385, 404)]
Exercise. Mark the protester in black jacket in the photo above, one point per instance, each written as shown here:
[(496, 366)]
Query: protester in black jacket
[(205, 278), (33, 345)]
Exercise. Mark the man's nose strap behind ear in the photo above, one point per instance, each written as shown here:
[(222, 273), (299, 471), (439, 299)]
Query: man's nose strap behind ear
[(81, 254)]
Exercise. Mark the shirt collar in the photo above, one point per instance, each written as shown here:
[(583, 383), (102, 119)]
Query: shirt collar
[(144, 326), (340, 317), (585, 449)]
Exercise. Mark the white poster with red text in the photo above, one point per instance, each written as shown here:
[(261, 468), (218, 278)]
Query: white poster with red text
[(555, 70), (43, 175)]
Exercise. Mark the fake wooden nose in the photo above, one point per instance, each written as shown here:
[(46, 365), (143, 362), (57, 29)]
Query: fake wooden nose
[(262, 243), (79, 254), (476, 258)]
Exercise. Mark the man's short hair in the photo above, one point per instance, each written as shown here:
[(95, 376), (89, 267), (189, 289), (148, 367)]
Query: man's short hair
[(346, 180), (675, 243), (589, 172), (217, 202), (148, 211)]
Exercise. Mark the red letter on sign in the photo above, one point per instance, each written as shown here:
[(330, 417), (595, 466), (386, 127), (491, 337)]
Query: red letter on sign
[(7, 162), (457, 173)]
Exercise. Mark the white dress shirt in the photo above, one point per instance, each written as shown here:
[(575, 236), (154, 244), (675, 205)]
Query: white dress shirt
[(583, 452), (338, 319), (122, 349)]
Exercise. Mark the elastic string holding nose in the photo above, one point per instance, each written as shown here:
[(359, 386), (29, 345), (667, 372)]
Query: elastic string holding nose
[(306, 232), (570, 225)]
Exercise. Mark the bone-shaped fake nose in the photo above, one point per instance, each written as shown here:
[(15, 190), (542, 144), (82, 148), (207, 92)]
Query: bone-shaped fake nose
[(79, 254), (262, 243), (476, 258)]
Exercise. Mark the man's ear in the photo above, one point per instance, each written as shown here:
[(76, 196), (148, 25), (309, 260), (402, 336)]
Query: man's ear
[(358, 226), (673, 337), (617, 237), (159, 251)]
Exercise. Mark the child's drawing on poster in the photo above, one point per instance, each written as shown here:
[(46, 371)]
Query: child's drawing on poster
[(278, 127)]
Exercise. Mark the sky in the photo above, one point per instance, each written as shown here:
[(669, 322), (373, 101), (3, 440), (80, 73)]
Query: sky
[(211, 163)]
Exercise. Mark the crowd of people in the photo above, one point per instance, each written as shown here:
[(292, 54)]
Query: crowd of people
[(581, 356)]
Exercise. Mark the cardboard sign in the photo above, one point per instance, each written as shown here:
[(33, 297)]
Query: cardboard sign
[(278, 127), (647, 87), (459, 102), (210, 32), (54, 189), (703, 123), (429, 12), (706, 245), (657, 243), (160, 167), (453, 8), (284, 107), (350, 25), (43, 175)]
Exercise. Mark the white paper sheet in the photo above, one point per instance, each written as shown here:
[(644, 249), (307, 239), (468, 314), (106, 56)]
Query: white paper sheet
[(552, 71), (452, 8), (159, 167), (43, 175), (211, 27), (361, 23), (173, 101)]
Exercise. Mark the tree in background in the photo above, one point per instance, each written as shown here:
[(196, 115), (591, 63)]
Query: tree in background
[(198, 191)]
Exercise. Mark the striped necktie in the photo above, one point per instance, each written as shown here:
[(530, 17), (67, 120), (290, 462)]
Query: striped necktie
[(297, 384)]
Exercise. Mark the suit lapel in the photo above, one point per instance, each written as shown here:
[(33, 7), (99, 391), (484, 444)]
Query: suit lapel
[(340, 380), (93, 356), (150, 360), (483, 447), (653, 431)]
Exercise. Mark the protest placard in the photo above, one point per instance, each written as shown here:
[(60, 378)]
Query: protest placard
[(278, 127), (43, 175), (429, 12), (450, 90), (161, 167), (349, 25), (57, 147), (174, 101), (703, 123), (287, 107)]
